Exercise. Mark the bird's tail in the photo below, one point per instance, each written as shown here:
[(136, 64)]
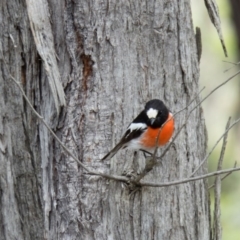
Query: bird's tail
[(112, 152)]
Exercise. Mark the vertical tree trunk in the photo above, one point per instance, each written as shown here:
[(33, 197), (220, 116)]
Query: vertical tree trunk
[(236, 18), (112, 58)]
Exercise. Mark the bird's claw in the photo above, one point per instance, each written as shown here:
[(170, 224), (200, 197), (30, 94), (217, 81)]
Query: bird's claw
[(130, 173)]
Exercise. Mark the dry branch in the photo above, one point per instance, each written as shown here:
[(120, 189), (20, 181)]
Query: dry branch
[(152, 161), (115, 177), (89, 171), (210, 152), (217, 229), (214, 16), (122, 178), (186, 180), (222, 178)]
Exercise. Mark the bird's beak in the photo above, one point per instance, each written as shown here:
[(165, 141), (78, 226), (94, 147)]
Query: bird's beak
[(152, 120)]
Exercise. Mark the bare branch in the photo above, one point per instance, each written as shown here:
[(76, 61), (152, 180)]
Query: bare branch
[(190, 103), (114, 177), (122, 178), (186, 180), (216, 88), (217, 229), (228, 69), (214, 16), (151, 161), (207, 156), (174, 138), (233, 63), (234, 166), (223, 146), (220, 85)]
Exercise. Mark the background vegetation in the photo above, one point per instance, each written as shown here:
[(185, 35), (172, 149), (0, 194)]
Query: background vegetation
[(224, 103)]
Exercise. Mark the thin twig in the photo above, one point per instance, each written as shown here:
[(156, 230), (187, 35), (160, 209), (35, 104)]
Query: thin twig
[(216, 88), (228, 69), (114, 177), (220, 85), (46, 125), (190, 103), (188, 116), (222, 178), (186, 180), (172, 141), (151, 161), (122, 178), (217, 230), (223, 149), (231, 62), (207, 156)]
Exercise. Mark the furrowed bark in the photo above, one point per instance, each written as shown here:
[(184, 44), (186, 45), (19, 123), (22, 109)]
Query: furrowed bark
[(112, 58)]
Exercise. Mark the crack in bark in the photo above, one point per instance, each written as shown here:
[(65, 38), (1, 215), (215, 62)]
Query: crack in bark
[(87, 70)]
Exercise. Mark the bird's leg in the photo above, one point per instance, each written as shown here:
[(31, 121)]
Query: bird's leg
[(150, 160), (129, 167), (150, 163), (145, 153)]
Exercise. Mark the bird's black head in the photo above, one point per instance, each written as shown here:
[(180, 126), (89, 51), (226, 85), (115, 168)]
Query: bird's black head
[(157, 113)]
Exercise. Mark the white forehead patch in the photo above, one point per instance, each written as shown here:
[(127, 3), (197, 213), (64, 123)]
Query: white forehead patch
[(152, 113)]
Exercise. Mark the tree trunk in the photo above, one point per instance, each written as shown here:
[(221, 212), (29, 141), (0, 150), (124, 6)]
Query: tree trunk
[(110, 58), (236, 18), (235, 4)]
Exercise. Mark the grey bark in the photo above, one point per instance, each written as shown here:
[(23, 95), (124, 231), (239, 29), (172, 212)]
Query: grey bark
[(112, 57)]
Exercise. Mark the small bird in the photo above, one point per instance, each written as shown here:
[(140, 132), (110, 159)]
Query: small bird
[(155, 121)]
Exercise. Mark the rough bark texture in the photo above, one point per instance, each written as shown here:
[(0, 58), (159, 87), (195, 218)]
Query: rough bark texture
[(112, 57)]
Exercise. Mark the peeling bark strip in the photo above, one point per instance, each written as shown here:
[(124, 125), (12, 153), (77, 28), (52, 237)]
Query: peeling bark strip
[(38, 13), (214, 16)]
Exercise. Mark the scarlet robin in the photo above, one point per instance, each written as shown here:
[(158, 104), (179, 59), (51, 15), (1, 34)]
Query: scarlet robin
[(152, 128)]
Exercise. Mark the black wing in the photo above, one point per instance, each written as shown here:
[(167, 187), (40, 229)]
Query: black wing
[(127, 137), (135, 129)]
